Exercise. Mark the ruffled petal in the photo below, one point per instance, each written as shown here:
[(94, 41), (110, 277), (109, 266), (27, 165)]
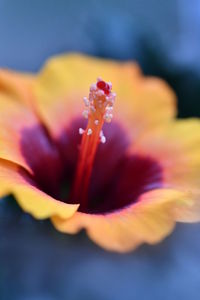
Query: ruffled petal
[(13, 119), (177, 149), (150, 220), (16, 85), (141, 102), (23, 139), (15, 180)]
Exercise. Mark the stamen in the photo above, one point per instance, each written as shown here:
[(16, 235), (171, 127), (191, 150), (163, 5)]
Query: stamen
[(85, 113), (89, 132), (86, 101), (103, 139), (81, 130), (101, 133), (98, 108)]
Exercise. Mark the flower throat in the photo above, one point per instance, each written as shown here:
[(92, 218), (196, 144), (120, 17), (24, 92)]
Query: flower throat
[(98, 109)]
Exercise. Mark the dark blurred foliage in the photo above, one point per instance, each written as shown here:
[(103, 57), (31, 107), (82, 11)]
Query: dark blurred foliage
[(37, 262), (163, 36)]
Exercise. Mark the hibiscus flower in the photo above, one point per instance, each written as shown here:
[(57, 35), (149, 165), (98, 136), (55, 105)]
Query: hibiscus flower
[(119, 164)]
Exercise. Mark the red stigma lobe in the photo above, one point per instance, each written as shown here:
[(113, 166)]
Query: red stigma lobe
[(102, 85)]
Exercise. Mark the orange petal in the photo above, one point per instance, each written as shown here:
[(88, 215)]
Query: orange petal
[(21, 135), (177, 148), (149, 220), (14, 117), (16, 85), (141, 102), (15, 180)]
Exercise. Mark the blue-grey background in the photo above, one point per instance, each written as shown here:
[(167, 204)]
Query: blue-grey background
[(38, 263)]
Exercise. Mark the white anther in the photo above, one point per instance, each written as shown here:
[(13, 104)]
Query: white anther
[(93, 87), (96, 122), (91, 98), (92, 108), (110, 85), (89, 132), (81, 130), (86, 101), (108, 117), (85, 113), (101, 133), (111, 116), (113, 96), (103, 139), (109, 109), (100, 93)]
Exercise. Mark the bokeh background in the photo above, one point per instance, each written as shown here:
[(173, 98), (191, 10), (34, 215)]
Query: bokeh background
[(38, 263)]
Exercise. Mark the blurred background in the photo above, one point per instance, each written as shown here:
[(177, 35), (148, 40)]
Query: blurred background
[(38, 263)]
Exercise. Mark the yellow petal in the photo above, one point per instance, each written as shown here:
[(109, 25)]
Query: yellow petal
[(16, 85), (14, 180), (142, 102), (22, 137), (149, 220), (177, 149)]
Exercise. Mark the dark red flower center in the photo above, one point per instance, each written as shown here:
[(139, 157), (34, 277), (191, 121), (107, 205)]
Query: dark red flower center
[(117, 179), (81, 168)]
